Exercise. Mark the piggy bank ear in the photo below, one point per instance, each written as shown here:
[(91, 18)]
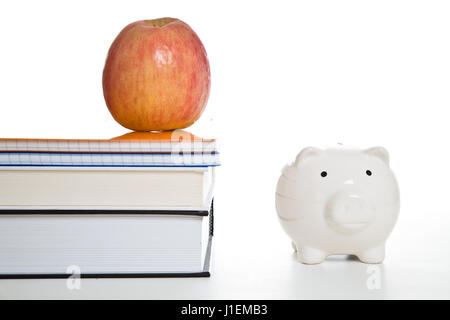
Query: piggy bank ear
[(379, 152), (305, 154)]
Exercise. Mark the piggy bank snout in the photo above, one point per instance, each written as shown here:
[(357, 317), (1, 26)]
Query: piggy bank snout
[(348, 212)]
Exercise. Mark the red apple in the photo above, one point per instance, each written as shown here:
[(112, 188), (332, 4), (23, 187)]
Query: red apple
[(156, 76)]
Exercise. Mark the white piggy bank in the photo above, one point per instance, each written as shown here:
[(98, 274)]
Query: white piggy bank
[(338, 201)]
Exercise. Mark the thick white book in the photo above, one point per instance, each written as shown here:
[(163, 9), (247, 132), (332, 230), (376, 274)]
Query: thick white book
[(106, 188), (122, 244)]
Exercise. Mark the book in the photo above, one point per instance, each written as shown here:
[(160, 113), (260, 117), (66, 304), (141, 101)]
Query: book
[(146, 149), (122, 244), (143, 142), (126, 188), (68, 159), (134, 205)]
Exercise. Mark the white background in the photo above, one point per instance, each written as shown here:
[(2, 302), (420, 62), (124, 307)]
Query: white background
[(285, 74)]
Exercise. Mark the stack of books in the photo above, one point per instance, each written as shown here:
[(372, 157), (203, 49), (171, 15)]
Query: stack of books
[(137, 205)]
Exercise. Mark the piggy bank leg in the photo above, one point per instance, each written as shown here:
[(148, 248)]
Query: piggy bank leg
[(309, 255), (294, 246), (373, 255)]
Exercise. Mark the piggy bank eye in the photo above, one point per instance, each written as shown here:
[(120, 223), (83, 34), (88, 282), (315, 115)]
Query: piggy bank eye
[(323, 174), (368, 172)]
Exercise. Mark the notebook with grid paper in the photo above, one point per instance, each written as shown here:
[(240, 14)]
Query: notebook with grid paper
[(177, 148), (165, 141)]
